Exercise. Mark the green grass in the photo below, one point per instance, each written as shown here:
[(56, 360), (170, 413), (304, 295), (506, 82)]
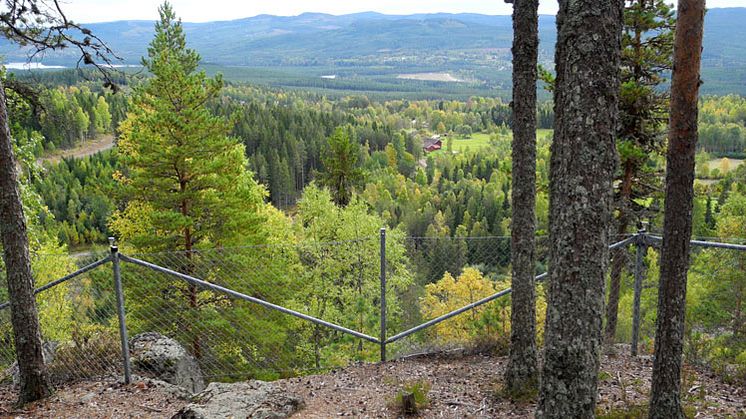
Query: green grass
[(419, 390), (473, 143), (479, 141)]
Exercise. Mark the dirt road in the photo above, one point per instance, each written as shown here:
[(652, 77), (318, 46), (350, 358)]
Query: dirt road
[(84, 149)]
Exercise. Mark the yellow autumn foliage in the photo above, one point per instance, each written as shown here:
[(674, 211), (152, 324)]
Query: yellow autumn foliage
[(489, 322), (451, 293)]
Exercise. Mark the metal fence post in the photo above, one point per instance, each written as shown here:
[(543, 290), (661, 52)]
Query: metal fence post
[(640, 246), (383, 294), (120, 310)]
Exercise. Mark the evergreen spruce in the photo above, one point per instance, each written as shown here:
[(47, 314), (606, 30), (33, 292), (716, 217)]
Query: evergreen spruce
[(647, 46)]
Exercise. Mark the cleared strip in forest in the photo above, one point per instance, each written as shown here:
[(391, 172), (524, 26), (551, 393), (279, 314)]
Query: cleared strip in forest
[(87, 148)]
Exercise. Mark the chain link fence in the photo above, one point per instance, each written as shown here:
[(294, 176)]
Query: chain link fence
[(233, 338), (716, 294), (282, 310), (452, 273), (75, 313)]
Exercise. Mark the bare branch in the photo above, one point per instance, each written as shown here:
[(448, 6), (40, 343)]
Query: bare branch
[(43, 26)]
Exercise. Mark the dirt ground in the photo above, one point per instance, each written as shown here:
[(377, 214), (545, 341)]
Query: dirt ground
[(468, 387), (462, 386)]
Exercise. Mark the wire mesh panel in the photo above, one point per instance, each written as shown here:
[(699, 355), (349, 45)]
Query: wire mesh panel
[(716, 310), (716, 293), (233, 339), (453, 272), (290, 309), (77, 317)]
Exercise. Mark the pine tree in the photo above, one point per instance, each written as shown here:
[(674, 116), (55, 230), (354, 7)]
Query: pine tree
[(341, 166), (521, 375), (187, 179), (665, 395), (39, 27), (34, 382), (647, 45), (586, 96)]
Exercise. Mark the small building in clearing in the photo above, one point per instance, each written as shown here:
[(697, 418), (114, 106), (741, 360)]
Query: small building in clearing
[(432, 144)]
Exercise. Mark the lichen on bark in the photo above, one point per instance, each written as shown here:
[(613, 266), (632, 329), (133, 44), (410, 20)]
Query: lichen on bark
[(521, 374), (581, 170)]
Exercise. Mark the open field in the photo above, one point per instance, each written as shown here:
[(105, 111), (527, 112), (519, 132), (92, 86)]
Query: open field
[(481, 140), (475, 142), (725, 164), (430, 77)]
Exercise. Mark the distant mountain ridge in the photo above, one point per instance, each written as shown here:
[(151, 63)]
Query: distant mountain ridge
[(473, 44)]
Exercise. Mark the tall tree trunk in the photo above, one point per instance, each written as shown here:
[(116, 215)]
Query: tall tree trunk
[(619, 256), (582, 167), (192, 290), (521, 373), (665, 401), (34, 383)]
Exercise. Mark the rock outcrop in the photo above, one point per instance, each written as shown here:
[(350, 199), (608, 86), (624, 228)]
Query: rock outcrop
[(163, 358), (252, 399)]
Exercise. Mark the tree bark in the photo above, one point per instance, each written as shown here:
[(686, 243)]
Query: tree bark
[(582, 168), (619, 256), (191, 288), (521, 375), (665, 401), (34, 383)]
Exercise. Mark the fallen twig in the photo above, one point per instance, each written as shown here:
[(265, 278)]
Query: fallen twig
[(152, 409)]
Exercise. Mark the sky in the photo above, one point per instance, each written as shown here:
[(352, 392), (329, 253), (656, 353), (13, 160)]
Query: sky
[(89, 11)]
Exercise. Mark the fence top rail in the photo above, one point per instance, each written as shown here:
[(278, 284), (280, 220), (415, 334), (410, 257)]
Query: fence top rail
[(706, 244), (718, 239), (241, 296), (625, 242), (462, 238), (67, 277)]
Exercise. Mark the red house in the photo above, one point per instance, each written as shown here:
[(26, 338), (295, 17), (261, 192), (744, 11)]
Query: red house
[(433, 143)]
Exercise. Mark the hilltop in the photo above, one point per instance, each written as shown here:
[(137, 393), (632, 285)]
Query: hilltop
[(460, 385)]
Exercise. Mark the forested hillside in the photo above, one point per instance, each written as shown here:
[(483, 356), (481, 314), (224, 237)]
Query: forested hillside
[(368, 52), (285, 137)]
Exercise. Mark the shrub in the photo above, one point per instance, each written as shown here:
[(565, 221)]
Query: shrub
[(94, 352)]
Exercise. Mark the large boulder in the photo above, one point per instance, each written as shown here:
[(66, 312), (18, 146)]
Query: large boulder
[(163, 358), (252, 399)]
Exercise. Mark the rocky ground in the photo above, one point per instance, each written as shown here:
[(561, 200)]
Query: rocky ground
[(100, 399), (461, 385), (469, 386)]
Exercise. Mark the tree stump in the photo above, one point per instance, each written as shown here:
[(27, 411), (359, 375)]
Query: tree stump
[(408, 403)]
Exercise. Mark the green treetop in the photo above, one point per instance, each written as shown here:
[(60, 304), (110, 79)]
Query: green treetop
[(186, 178), (341, 166)]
